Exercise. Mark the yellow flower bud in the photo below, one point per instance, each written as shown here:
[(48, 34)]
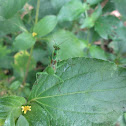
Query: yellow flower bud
[(34, 34)]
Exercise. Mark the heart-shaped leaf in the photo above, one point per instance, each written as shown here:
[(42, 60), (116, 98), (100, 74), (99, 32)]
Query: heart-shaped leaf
[(81, 94)]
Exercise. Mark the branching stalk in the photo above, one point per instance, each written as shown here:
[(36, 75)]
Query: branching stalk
[(29, 60)]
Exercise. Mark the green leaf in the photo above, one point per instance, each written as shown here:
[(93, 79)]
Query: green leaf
[(9, 105), (69, 45), (9, 8), (45, 25), (118, 46), (10, 120), (120, 5), (6, 62), (48, 7), (57, 5), (37, 116), (92, 2), (118, 43), (97, 52), (124, 119), (3, 51), (11, 25), (24, 41), (106, 25), (109, 7), (121, 33), (15, 85), (96, 14), (71, 11), (26, 91), (41, 55), (22, 121), (92, 92), (121, 120), (90, 21)]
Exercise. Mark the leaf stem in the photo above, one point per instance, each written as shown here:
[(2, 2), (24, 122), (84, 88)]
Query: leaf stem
[(29, 60)]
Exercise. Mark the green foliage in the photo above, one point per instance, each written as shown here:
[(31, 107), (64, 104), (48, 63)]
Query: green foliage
[(97, 52), (11, 25), (15, 85), (92, 2), (48, 7), (20, 62), (41, 55), (35, 119), (85, 88), (90, 21), (10, 8), (120, 5), (71, 11), (5, 60), (62, 63), (69, 45), (22, 121), (105, 26), (118, 44), (45, 25), (10, 107), (10, 120), (24, 41), (3, 51)]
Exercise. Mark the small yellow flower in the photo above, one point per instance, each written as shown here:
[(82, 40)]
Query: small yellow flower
[(26, 108), (89, 45), (34, 34)]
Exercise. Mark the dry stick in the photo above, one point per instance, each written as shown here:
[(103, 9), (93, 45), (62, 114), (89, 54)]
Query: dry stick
[(104, 3), (29, 60)]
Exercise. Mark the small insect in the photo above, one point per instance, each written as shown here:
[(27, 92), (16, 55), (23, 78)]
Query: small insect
[(51, 69), (54, 59), (55, 54)]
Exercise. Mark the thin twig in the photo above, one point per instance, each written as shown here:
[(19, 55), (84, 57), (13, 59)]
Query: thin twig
[(28, 65)]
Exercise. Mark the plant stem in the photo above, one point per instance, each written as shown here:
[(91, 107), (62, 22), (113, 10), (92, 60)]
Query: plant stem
[(29, 60), (37, 11), (28, 65), (86, 14)]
